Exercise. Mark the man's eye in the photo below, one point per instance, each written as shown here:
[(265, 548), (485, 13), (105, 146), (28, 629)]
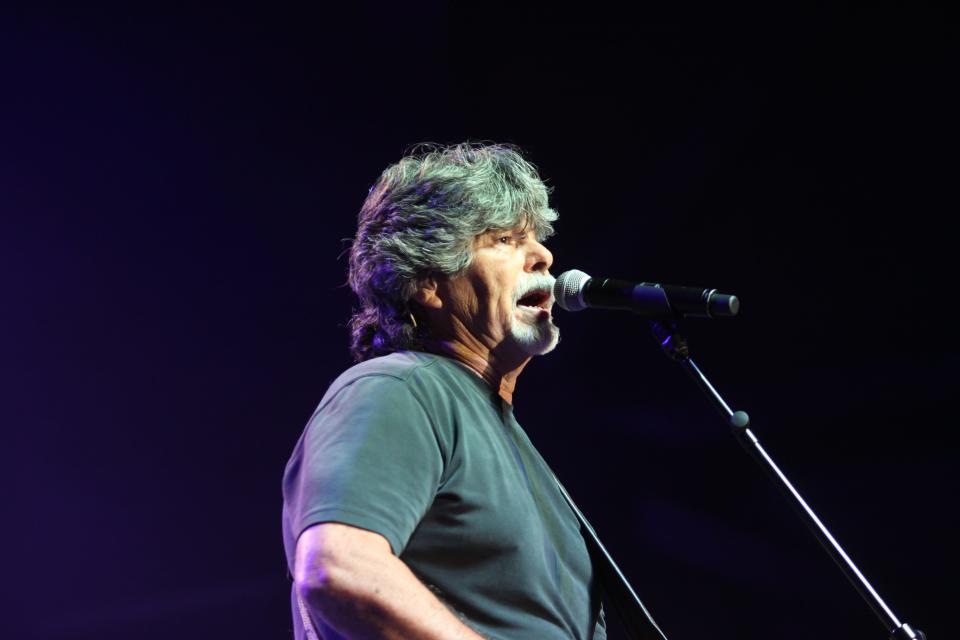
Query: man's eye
[(512, 239)]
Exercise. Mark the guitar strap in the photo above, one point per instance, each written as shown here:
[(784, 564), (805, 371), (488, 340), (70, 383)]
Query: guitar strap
[(636, 620)]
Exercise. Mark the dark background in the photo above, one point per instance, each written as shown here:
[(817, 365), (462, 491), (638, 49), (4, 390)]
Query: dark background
[(175, 185)]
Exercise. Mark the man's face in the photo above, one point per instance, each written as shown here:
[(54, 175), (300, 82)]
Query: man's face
[(504, 297)]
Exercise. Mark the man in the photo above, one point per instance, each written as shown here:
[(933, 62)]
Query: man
[(414, 504)]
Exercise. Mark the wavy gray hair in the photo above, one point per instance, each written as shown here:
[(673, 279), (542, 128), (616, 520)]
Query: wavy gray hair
[(420, 220)]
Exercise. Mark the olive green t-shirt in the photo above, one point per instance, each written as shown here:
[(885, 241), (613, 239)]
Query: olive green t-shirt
[(419, 449)]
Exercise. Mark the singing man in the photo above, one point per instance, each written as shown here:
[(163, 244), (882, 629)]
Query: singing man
[(415, 506)]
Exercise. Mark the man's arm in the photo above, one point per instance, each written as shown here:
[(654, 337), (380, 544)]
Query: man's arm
[(350, 579)]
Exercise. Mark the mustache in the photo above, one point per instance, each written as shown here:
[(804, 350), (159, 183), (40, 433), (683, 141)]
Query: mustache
[(534, 282)]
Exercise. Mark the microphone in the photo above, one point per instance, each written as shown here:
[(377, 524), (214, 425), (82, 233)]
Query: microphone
[(575, 291)]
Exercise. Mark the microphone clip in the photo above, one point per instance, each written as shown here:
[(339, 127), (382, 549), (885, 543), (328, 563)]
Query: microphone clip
[(667, 333)]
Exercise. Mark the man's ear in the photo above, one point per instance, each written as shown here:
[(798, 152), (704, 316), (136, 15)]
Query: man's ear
[(426, 294)]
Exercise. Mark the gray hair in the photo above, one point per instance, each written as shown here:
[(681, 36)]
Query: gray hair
[(419, 221)]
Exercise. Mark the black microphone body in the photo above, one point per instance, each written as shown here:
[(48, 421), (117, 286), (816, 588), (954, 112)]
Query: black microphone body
[(575, 291)]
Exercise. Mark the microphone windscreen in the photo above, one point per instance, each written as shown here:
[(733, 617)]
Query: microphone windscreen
[(568, 290)]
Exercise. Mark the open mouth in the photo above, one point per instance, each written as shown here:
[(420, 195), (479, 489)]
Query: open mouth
[(539, 298)]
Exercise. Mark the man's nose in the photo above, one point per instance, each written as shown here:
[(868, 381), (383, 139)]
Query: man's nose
[(539, 258)]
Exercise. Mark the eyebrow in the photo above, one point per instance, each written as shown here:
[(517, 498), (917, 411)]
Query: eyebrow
[(514, 231)]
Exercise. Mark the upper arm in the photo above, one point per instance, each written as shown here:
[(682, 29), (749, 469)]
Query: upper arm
[(329, 552), (350, 580)]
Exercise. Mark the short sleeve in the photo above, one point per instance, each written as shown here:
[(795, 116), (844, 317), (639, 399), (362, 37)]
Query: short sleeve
[(368, 458)]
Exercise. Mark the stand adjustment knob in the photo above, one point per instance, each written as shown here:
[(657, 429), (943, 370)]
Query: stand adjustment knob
[(740, 420)]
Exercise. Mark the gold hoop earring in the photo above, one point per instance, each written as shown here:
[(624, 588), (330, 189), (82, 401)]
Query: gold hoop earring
[(413, 320)]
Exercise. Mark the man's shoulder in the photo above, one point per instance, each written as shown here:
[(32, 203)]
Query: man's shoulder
[(402, 369), (400, 365), (430, 379)]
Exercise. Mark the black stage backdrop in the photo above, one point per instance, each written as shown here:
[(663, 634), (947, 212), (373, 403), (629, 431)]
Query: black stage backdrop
[(176, 183)]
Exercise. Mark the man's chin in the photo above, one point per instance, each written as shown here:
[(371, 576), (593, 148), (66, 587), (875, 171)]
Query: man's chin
[(549, 346), (537, 341)]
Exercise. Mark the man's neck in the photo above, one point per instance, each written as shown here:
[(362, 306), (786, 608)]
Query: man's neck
[(498, 374)]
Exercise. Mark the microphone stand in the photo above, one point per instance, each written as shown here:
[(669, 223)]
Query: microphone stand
[(675, 346)]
